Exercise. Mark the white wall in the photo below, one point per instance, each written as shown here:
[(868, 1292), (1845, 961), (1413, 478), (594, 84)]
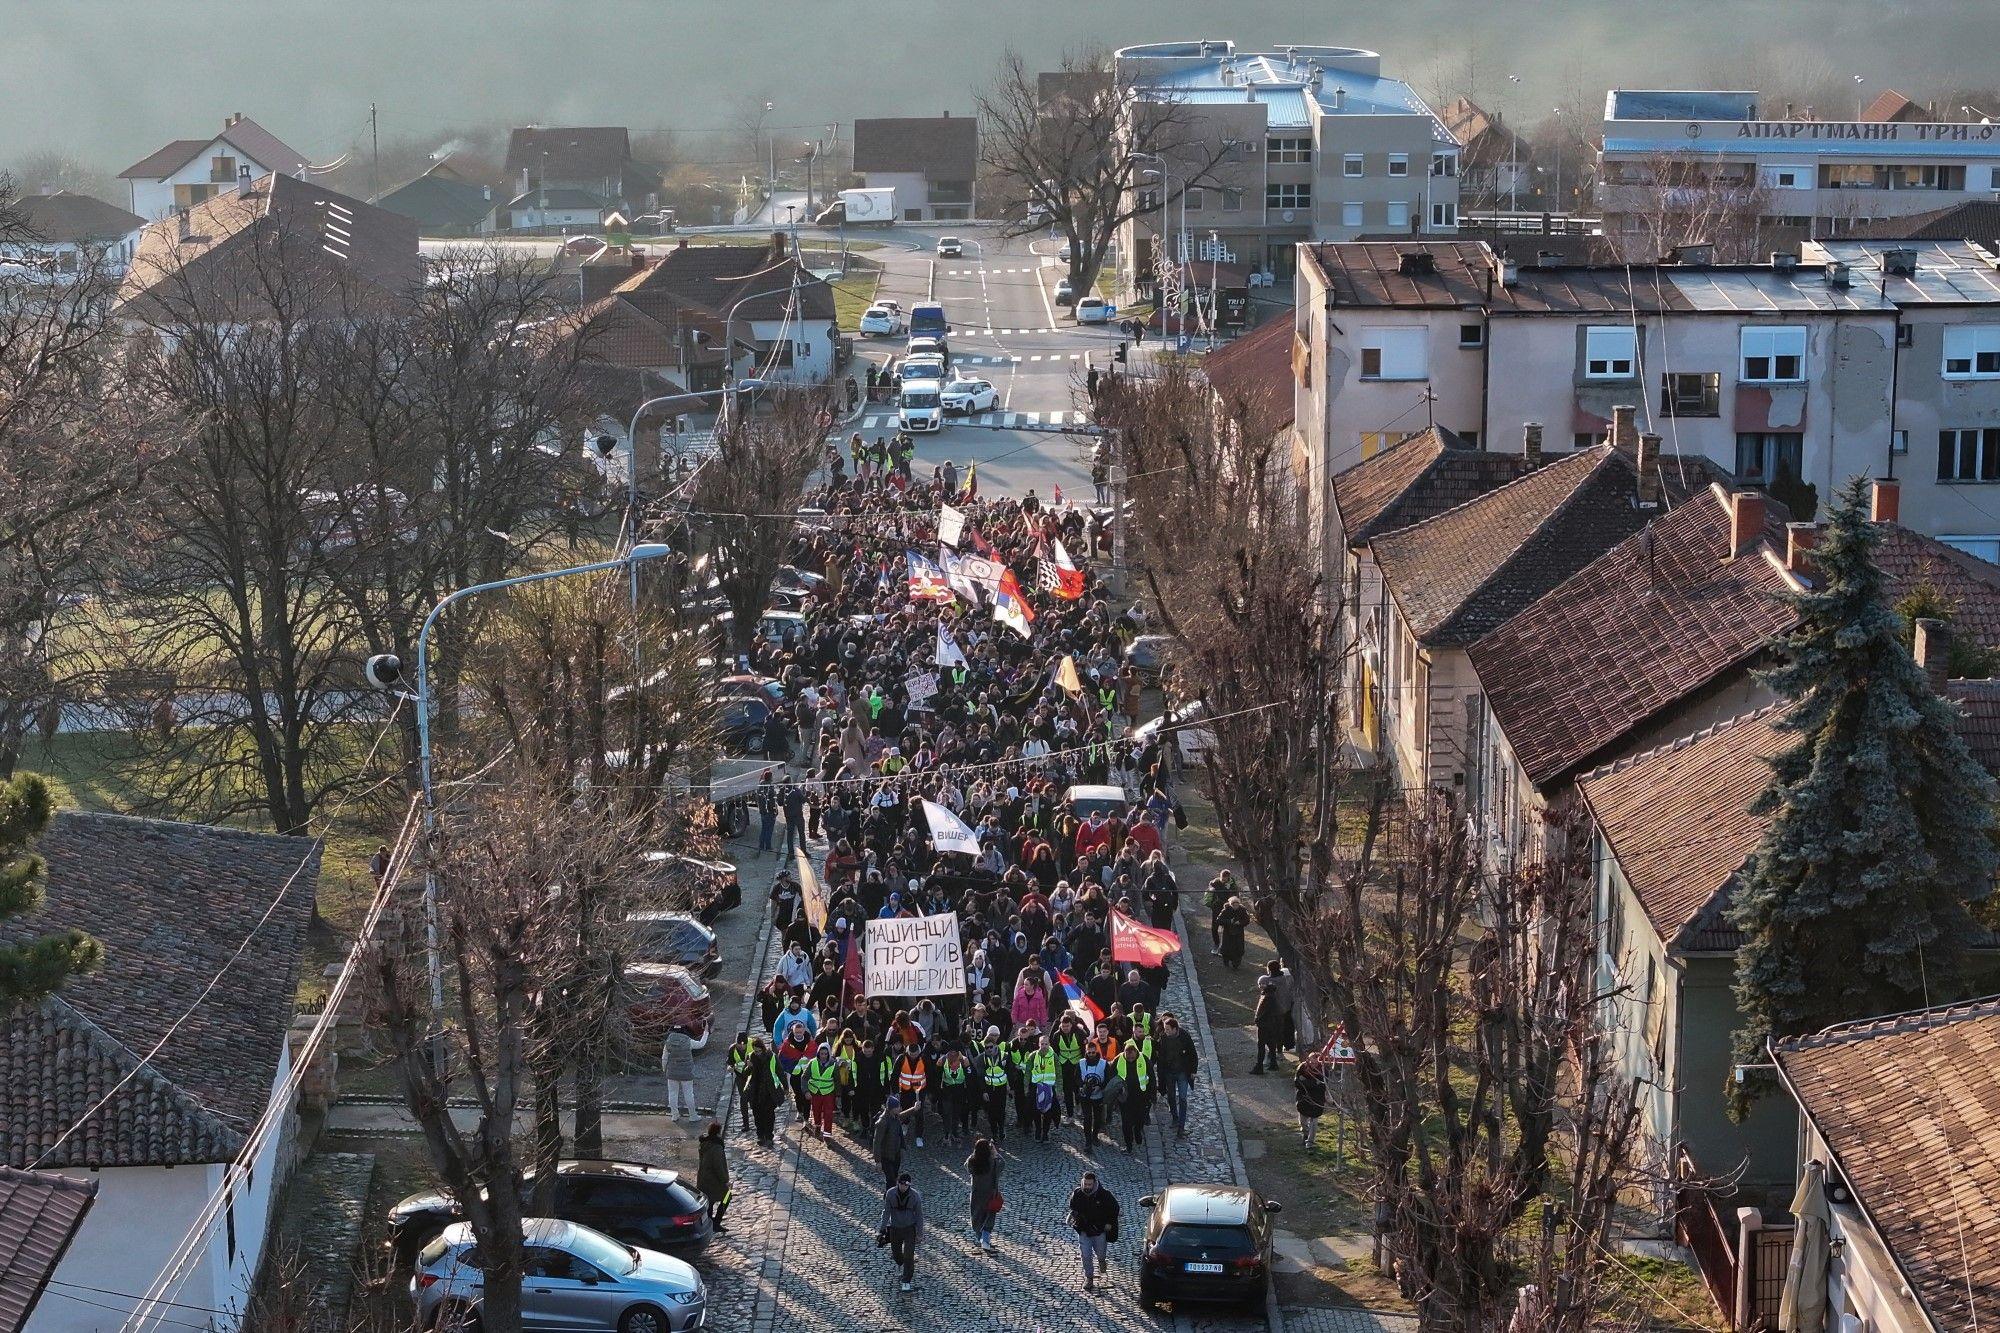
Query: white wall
[(154, 199), (814, 363)]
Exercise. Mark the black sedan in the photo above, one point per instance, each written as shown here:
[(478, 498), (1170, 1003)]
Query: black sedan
[(1206, 1243), (638, 1204)]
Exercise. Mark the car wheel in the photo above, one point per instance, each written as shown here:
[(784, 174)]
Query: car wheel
[(645, 1319), (1149, 1294)]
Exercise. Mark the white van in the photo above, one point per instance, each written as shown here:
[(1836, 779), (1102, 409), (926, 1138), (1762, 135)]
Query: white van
[(921, 406)]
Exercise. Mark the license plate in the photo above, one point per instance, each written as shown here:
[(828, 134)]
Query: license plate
[(1204, 1268)]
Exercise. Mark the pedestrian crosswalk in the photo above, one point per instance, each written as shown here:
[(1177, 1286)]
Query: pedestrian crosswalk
[(991, 272), (998, 420), (998, 333), (1017, 359)]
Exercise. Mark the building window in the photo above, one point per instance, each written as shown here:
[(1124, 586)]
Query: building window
[(1472, 335), (1788, 178), (1350, 215), (1444, 164), (1399, 164), (1444, 214), (1194, 199), (1290, 150), (1394, 354), (1298, 195), (1969, 455), (1761, 457), (1374, 442), (1972, 352), (1350, 165), (1148, 201), (1691, 394), (1399, 214), (1899, 442), (1609, 352), (222, 170), (1774, 354), (1583, 439), (1232, 200)]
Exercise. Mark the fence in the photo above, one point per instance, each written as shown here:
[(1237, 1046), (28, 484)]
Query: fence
[(1698, 1226)]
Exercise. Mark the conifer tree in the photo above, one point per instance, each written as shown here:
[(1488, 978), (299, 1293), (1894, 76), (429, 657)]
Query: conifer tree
[(32, 969), (1858, 900)]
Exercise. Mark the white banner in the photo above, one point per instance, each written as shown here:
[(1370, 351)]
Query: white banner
[(949, 833), (914, 956), (951, 525), (920, 685)]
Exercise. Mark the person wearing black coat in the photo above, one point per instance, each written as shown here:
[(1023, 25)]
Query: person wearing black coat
[(1230, 923), (1309, 1085), (1176, 1061), (1270, 1023)]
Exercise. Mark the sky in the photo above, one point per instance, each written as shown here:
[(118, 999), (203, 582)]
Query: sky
[(112, 80)]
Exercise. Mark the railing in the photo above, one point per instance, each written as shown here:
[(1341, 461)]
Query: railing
[(1529, 223), (1700, 1228), (1769, 1254)]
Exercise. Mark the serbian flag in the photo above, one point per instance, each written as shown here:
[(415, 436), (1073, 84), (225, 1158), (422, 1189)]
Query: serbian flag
[(1056, 572), (1079, 1003), (927, 581), (1144, 945), (1010, 606)]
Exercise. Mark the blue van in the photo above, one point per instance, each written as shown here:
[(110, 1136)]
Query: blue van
[(927, 321)]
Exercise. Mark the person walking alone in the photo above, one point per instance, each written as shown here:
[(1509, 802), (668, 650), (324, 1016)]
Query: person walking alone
[(1270, 1021), (711, 1175), (888, 1143), (677, 1063), (903, 1225), (1093, 1215), (1309, 1085), (982, 1168), (1096, 1074), (1175, 1064)]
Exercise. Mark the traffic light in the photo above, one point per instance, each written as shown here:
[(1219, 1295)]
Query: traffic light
[(1120, 353)]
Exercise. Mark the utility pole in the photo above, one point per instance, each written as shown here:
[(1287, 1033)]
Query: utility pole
[(375, 156)]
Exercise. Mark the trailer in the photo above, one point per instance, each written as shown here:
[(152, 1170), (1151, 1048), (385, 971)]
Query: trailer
[(869, 208)]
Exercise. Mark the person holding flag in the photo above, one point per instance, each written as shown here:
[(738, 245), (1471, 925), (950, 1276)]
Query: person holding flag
[(927, 581), (1011, 608), (1057, 573)]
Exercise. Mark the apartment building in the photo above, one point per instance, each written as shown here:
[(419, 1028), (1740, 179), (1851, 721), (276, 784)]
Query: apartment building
[(1300, 144), (1784, 165)]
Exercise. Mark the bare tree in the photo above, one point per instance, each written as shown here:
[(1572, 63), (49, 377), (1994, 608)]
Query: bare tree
[(1682, 199), (1071, 145)]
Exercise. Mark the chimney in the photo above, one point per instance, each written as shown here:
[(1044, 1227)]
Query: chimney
[(1836, 274), (1746, 522), (1510, 272), (1339, 97), (186, 224), (1800, 538), (1531, 444), (1784, 264), (1933, 651), (777, 245), (1646, 467), (1625, 429), (242, 180), (1885, 500)]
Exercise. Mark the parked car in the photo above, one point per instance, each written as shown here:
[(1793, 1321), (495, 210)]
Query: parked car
[(921, 368), (879, 321), (968, 396), (710, 888), (1150, 653), (632, 1202), (1206, 1243), (576, 1278), (928, 347), (1192, 741), (950, 247), (1093, 310), (583, 245), (666, 996), (673, 937), (1065, 294)]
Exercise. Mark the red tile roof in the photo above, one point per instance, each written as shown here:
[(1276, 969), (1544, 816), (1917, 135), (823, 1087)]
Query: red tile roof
[(39, 1215), (1253, 375), (1971, 585), (1419, 476), (714, 278), (1892, 105)]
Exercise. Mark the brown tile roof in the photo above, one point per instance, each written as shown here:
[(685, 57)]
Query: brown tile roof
[(578, 152), (713, 278), (1642, 627), (939, 148), (165, 161), (1969, 584), (1909, 1107), (1892, 105), (1978, 719), (315, 232), (1419, 476), (77, 219), (1974, 220), (264, 148), (1253, 374), (1370, 273), (39, 1215), (172, 904)]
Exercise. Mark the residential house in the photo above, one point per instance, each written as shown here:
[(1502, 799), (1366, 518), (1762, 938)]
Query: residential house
[(1251, 379), (39, 1217), (931, 162), (1975, 220), (212, 262), (592, 160), (1304, 143), (72, 234), (553, 208), (1496, 166), (1899, 1114), (779, 316), (441, 202), (151, 1075), (187, 172), (1891, 106)]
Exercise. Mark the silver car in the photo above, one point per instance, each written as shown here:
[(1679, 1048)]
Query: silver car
[(573, 1279)]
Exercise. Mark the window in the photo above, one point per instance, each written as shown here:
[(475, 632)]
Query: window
[(1609, 352), (222, 170), (1350, 165), (1788, 178), (1394, 354), (1444, 164), (1774, 354), (1691, 394), (1232, 199), (1906, 335), (1972, 351), (1290, 150), (1350, 215), (1472, 335), (1969, 455), (1899, 442), (1194, 198), (1298, 195), (1470, 438), (1399, 164), (1374, 442), (1399, 214), (1761, 457), (1583, 439), (1444, 214), (1148, 201)]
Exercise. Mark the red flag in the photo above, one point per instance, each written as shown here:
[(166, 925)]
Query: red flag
[(1144, 945), (853, 981), (1054, 571)]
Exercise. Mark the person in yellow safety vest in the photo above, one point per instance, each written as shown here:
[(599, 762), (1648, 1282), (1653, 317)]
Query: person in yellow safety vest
[(1042, 1088), (1134, 1072), (739, 1070), (955, 1092), (1020, 1053), (892, 763), (1142, 1024), (821, 1075), (991, 1061), (913, 1076), (847, 1050), (1069, 1049)]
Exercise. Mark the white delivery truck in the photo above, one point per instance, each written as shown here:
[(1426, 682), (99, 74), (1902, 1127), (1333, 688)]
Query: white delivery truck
[(869, 208)]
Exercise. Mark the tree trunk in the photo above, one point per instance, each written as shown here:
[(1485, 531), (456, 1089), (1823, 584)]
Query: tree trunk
[(589, 1105)]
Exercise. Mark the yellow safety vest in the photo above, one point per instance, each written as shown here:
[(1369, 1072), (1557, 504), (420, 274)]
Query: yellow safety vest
[(821, 1077), (1042, 1069)]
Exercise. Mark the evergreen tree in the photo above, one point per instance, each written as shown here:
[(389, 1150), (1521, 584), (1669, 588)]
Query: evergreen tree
[(1857, 901), (34, 968)]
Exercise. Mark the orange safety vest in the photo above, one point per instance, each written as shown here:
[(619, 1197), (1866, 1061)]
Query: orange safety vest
[(911, 1075)]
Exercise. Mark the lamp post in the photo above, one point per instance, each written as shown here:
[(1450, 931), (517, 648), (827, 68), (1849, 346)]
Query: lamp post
[(1513, 162), (1166, 202), (729, 327)]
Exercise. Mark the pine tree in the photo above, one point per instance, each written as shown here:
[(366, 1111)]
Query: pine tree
[(1857, 901), (36, 967)]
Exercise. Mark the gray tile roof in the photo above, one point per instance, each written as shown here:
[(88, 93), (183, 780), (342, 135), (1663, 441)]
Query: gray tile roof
[(39, 1214), (172, 904), (940, 148)]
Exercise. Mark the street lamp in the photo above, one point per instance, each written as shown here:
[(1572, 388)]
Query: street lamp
[(1513, 162), (1166, 201), (729, 327), (385, 671)]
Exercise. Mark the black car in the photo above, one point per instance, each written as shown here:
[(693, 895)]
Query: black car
[(1206, 1243), (638, 1204)]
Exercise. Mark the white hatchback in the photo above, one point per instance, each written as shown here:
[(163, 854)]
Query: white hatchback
[(881, 321), (1093, 310), (969, 396)]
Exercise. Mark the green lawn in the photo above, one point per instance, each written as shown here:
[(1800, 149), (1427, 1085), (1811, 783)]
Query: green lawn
[(852, 295)]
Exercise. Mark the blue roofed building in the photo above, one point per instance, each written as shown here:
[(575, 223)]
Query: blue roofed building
[(1304, 143)]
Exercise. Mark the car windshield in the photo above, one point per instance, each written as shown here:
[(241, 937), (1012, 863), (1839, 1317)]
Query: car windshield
[(1192, 1237), (920, 398), (597, 1248), (965, 386), (923, 370)]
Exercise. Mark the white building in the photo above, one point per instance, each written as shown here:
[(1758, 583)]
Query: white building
[(931, 162), (71, 234), (188, 171)]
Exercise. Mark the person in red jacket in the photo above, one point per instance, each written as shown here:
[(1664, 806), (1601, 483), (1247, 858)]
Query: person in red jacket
[(1094, 833)]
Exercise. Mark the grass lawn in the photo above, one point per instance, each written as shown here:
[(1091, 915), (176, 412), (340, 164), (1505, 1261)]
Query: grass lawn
[(852, 295)]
